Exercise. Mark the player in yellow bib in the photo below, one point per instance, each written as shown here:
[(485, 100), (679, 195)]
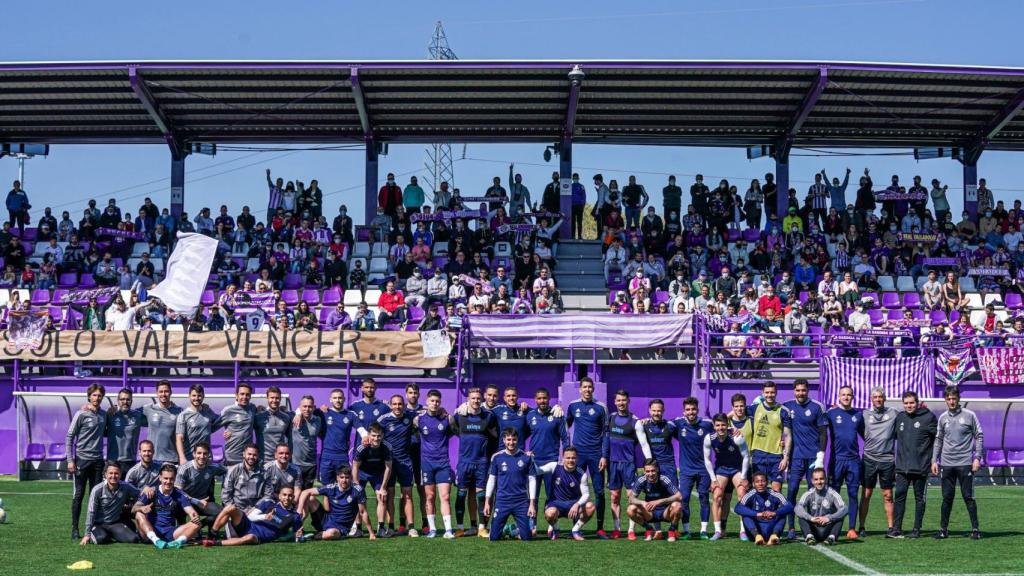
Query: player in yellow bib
[(771, 437)]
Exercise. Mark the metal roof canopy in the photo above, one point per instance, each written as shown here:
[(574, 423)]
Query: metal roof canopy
[(698, 103)]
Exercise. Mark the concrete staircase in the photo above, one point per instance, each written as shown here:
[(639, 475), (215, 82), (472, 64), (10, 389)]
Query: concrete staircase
[(580, 275)]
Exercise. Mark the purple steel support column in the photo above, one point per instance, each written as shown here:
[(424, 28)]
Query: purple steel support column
[(17, 374), (177, 186), (971, 189), (782, 195), (124, 373), (235, 372)]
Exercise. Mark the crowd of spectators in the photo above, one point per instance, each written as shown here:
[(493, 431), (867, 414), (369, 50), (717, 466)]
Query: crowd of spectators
[(425, 258)]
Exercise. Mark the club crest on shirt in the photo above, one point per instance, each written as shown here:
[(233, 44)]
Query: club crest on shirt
[(578, 414), (520, 463), (839, 418), (345, 420), (440, 426), (732, 448), (591, 412), (917, 424), (807, 412), (504, 466)]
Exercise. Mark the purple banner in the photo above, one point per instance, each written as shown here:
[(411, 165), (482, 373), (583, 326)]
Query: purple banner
[(940, 261), (115, 233), (520, 228), (245, 298), (488, 199), (1001, 365), (581, 331), (894, 375), (470, 281), (447, 215), (886, 196), (988, 271), (917, 238)]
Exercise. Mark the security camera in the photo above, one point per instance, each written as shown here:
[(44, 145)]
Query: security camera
[(576, 75)]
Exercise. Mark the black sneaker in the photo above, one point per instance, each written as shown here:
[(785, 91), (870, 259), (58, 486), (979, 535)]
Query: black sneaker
[(975, 535), (942, 534), (830, 540), (862, 533), (75, 535), (893, 533), (915, 533)]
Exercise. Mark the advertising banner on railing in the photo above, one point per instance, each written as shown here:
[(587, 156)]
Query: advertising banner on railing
[(403, 349), (624, 331), (1001, 365)]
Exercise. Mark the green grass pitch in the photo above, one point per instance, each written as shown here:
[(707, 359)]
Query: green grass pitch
[(36, 540)]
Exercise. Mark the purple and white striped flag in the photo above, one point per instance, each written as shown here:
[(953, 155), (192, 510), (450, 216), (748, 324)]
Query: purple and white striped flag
[(895, 375), (581, 330)]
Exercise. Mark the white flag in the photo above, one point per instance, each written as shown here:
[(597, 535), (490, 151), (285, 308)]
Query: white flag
[(188, 269)]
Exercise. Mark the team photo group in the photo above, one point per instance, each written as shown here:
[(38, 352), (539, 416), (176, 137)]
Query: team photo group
[(280, 468)]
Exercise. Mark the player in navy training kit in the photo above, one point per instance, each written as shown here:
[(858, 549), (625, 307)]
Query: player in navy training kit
[(568, 495), (810, 433), (155, 516), (268, 521), (588, 420), (691, 430), (347, 505), (368, 408), (512, 482), (658, 445), (371, 463), (661, 500), (764, 511), (512, 414), (547, 434), (621, 439), (475, 429), (337, 440), (398, 433), (846, 425), (732, 459), (412, 402), (435, 428)]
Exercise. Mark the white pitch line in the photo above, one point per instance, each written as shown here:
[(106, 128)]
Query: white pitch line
[(836, 556)]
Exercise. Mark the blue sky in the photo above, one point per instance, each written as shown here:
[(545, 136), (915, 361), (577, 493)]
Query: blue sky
[(927, 31)]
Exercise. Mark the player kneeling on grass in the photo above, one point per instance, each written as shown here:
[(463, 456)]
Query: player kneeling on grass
[(661, 501), (729, 471), (105, 521), (569, 496), (764, 511), (266, 522), (820, 512), (347, 504), (512, 482), (156, 515)]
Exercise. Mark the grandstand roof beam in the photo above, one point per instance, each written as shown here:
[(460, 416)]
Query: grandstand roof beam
[(994, 127), (364, 114), (153, 109), (802, 113)]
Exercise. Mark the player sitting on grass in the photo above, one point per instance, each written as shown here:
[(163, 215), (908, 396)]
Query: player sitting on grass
[(569, 496), (155, 516), (764, 511), (347, 504), (820, 511), (661, 501), (266, 522)]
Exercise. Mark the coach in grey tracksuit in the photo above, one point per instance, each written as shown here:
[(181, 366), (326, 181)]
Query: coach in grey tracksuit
[(304, 443), (123, 427), (161, 421), (245, 482), (195, 478), (956, 457), (915, 439), (84, 448), (104, 519), (820, 502), (237, 421), (272, 428), (878, 466), (146, 473)]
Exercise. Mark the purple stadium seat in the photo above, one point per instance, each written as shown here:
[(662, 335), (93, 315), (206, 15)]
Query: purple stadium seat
[(876, 316), (937, 316), (917, 314), (324, 313), (954, 315), (911, 299), (311, 296), (293, 281), (40, 297), (415, 314), (30, 234), (873, 296), (35, 452), (734, 235), (894, 314), (440, 262), (27, 246), (868, 352), (87, 281), (803, 296), (67, 280), (291, 297), (660, 296), (1015, 458), (801, 353), (890, 300), (208, 298), (56, 452), (616, 281), (1014, 301), (332, 296), (751, 235), (57, 313), (995, 458), (57, 295), (250, 278)]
